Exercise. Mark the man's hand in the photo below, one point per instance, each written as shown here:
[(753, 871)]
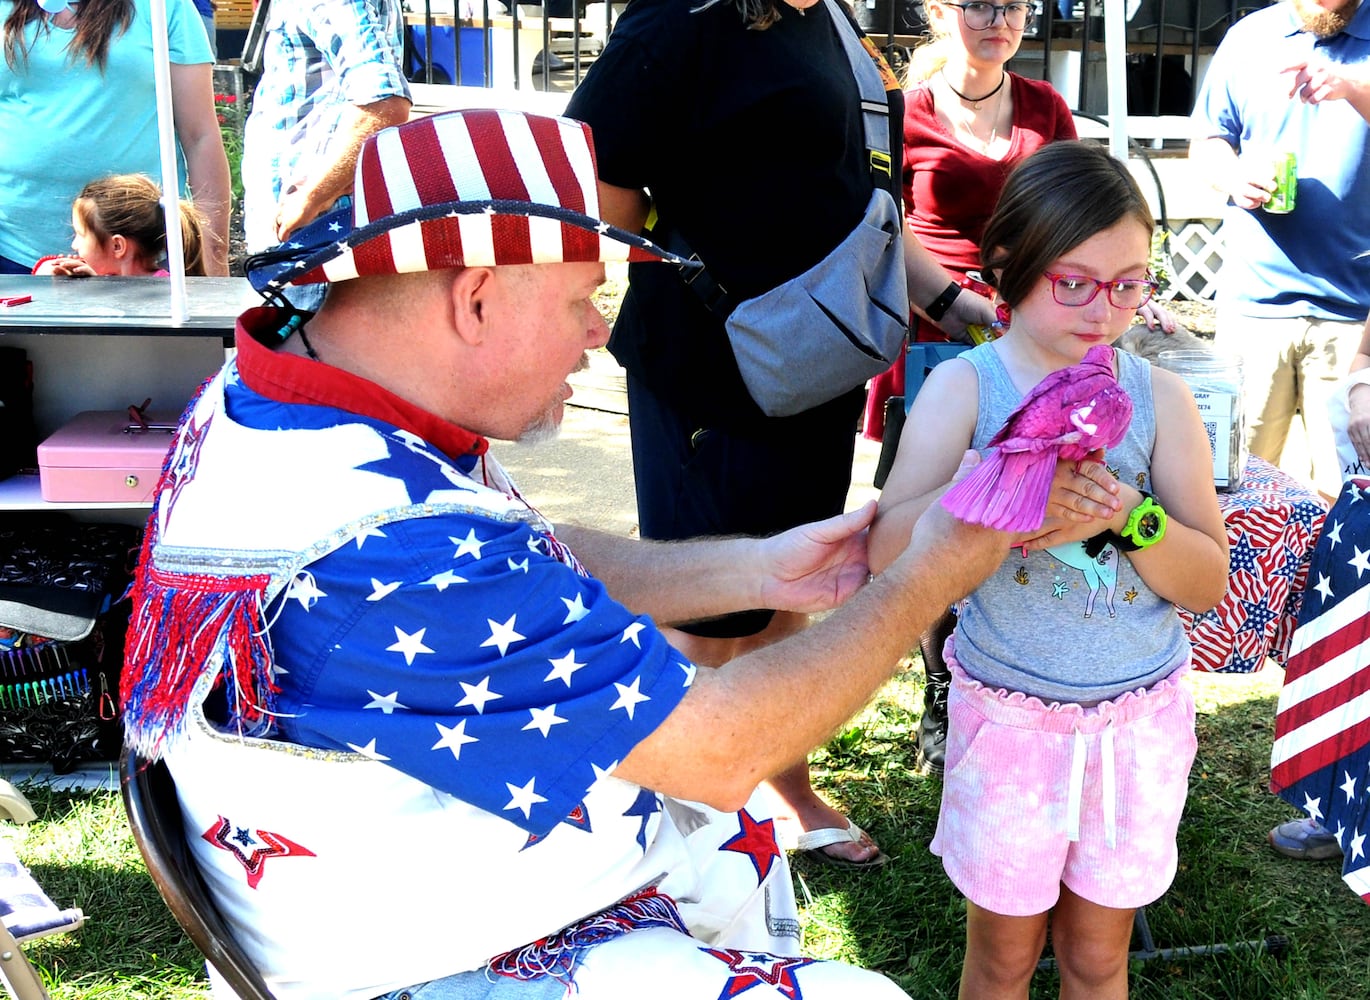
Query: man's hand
[(297, 207), (1358, 422), (1315, 82), (1251, 181), (816, 566)]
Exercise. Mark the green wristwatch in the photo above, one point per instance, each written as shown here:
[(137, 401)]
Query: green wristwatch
[(1145, 526)]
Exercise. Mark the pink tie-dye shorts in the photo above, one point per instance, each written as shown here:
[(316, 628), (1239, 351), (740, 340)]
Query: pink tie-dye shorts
[(1037, 795)]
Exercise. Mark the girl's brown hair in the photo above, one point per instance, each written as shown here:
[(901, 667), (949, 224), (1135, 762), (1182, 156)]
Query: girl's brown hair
[(1053, 201), (130, 205), (97, 21)]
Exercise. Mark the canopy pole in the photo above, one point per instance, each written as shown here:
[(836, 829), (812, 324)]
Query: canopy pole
[(1115, 66), (166, 140)]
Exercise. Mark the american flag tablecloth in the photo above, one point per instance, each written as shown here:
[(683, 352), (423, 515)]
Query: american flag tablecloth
[(1321, 758), (1272, 524)]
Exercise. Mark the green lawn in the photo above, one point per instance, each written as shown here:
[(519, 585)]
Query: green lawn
[(905, 919)]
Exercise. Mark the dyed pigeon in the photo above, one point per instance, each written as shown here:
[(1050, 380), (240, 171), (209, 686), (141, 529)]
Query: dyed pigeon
[(1070, 414)]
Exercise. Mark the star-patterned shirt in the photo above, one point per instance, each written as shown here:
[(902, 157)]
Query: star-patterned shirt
[(470, 652)]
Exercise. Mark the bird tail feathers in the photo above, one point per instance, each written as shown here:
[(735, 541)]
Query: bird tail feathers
[(1007, 491)]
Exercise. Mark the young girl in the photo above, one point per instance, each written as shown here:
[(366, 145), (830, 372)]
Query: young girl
[(120, 228), (1071, 735)]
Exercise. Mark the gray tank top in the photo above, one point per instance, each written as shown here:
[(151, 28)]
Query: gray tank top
[(1058, 624)]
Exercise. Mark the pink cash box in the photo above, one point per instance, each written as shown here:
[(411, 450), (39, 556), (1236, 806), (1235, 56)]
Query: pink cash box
[(101, 456)]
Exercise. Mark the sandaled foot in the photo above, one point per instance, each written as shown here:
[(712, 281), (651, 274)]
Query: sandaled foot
[(845, 848)]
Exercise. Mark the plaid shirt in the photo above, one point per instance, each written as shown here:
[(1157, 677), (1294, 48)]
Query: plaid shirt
[(320, 57)]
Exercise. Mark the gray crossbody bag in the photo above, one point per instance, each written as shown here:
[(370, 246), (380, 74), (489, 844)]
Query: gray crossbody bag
[(845, 319)]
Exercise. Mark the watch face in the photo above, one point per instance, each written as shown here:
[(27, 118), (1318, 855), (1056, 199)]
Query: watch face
[(1149, 526)]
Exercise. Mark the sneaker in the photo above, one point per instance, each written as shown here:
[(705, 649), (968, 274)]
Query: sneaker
[(1305, 840)]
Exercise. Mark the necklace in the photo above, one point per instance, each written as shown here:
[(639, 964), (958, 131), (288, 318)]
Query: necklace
[(975, 102), (968, 123)]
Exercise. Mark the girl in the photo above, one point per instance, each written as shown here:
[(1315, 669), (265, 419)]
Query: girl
[(967, 122), (1066, 773), (120, 228)]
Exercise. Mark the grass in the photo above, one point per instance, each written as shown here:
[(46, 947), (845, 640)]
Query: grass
[(905, 920)]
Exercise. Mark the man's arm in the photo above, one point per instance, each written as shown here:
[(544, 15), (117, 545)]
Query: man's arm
[(814, 567), (330, 176), (1315, 82), (759, 713)]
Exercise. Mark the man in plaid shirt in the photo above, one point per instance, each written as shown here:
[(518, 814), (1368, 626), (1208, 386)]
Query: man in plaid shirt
[(332, 74)]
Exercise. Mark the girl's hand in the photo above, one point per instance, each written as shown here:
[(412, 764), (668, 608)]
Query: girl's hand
[(1084, 498), (66, 267)]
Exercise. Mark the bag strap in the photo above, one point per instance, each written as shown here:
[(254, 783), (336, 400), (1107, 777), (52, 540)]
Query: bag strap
[(875, 117), (875, 106)]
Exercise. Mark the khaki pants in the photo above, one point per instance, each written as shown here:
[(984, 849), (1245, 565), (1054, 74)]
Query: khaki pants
[(1290, 366)]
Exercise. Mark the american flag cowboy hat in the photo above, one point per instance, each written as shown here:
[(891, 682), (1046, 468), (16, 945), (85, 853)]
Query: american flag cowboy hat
[(469, 188)]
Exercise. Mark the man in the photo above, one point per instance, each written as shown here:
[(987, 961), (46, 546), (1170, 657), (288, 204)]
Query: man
[(1293, 292), (332, 74), (397, 706)]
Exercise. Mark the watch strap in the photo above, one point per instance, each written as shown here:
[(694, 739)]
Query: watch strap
[(938, 307)]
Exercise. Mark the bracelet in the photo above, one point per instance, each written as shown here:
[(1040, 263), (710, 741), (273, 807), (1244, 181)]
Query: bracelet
[(939, 306)]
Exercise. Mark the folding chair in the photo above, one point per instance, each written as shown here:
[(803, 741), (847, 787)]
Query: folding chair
[(154, 814), (26, 912)]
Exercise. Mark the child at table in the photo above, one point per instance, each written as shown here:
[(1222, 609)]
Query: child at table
[(120, 228), (1071, 734)]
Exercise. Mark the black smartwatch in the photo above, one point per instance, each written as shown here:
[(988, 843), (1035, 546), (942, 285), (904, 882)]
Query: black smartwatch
[(939, 306)]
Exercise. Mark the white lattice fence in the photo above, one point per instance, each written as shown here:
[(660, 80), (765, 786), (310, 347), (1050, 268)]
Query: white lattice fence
[(1196, 254)]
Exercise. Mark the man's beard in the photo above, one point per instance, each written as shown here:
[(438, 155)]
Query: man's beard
[(546, 426), (1321, 22)]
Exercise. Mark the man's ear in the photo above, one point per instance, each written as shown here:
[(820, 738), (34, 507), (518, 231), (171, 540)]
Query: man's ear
[(473, 300)]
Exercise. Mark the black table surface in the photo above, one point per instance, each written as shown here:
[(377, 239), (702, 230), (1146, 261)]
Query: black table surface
[(122, 306)]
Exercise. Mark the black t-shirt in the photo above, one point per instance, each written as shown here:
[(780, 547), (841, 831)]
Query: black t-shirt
[(751, 144)]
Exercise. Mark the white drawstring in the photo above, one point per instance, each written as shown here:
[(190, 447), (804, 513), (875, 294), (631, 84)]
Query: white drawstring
[(1077, 788), (1110, 786), (1108, 791)]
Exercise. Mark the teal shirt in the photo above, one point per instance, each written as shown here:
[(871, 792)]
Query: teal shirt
[(65, 123)]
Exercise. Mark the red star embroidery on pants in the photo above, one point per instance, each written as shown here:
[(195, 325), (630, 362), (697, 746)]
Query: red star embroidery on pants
[(754, 968), (757, 841), (253, 847)]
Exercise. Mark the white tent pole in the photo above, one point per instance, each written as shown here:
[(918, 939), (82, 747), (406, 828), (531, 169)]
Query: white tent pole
[(1115, 67), (171, 187)]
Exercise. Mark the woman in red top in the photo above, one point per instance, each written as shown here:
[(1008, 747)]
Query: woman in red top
[(968, 121)]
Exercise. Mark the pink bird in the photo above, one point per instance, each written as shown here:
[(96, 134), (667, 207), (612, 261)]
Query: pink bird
[(1070, 414)]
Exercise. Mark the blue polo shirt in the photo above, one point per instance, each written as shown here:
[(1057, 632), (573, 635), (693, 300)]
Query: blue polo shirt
[(1306, 263)]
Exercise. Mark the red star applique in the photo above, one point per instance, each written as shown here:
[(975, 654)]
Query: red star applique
[(754, 968), (253, 847), (757, 841)]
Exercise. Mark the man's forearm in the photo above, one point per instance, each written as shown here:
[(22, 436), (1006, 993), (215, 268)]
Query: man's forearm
[(671, 581), (329, 177)]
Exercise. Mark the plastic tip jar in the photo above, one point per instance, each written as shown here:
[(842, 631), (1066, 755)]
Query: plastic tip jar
[(1216, 382)]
